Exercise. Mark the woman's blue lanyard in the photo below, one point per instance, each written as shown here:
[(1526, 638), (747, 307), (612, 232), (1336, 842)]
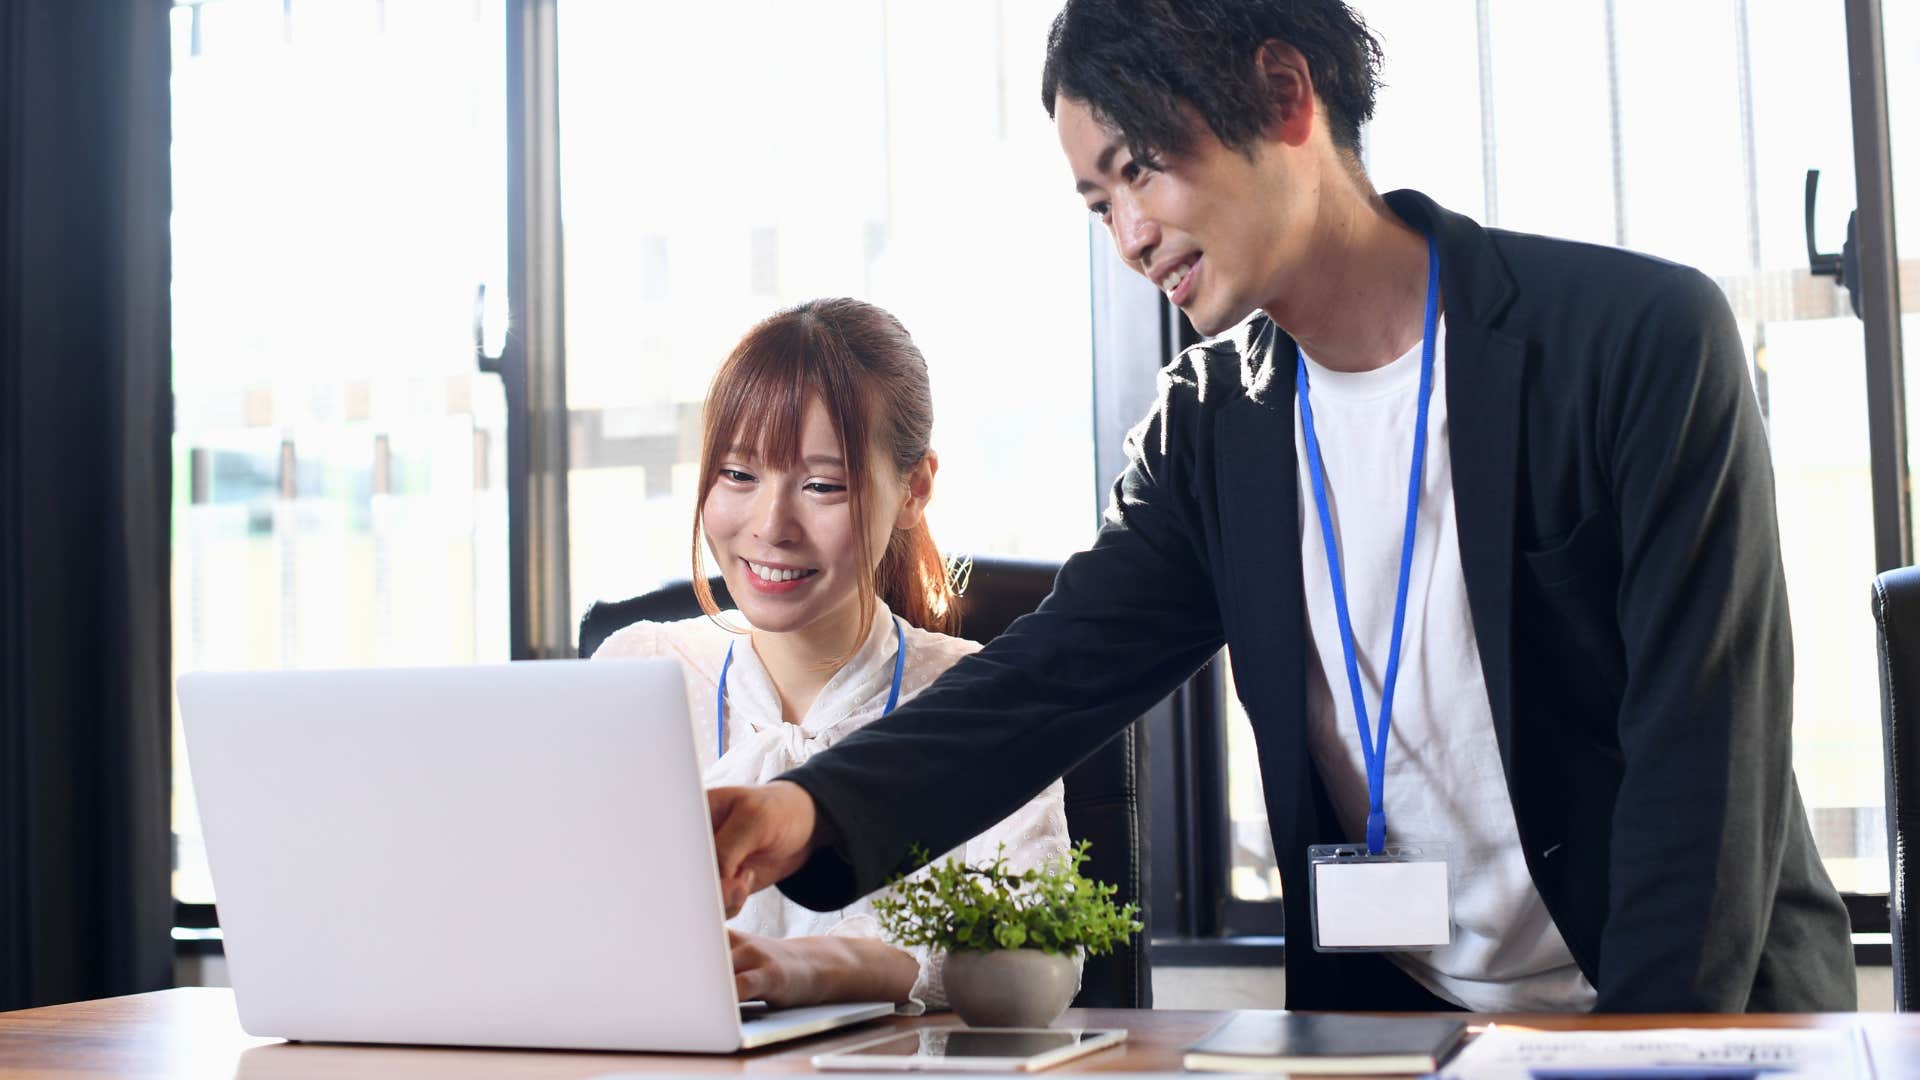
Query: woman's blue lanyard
[(1375, 750), (720, 696)]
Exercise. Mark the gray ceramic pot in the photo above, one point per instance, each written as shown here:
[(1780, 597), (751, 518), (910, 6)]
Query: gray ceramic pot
[(1010, 987)]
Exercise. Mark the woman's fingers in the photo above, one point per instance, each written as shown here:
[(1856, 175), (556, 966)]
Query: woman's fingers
[(747, 953), (750, 985), (756, 971)]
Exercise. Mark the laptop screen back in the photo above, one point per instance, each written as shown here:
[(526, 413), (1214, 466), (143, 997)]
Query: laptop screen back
[(503, 855)]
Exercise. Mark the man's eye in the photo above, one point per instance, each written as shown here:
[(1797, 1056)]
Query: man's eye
[(1101, 210)]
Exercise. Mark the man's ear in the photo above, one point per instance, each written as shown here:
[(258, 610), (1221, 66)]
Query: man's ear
[(1283, 70), (919, 491)]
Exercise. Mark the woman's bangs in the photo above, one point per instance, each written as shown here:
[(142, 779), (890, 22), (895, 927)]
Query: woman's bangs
[(762, 410)]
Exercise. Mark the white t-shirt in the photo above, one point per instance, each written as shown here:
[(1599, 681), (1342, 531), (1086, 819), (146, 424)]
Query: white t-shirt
[(760, 746), (1444, 779)]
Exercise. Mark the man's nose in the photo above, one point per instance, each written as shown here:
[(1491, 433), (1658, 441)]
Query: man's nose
[(1134, 232)]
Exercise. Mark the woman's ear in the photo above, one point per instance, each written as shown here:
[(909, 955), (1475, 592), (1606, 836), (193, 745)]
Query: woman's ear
[(919, 490)]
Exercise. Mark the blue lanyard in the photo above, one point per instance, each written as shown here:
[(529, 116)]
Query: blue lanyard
[(720, 695), (1375, 751)]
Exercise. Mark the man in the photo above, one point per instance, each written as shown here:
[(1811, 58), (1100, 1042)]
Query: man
[(1516, 487)]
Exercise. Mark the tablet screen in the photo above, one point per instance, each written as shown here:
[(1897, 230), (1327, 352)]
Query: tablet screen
[(953, 1044)]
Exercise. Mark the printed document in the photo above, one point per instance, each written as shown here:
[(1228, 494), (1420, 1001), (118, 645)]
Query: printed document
[(1505, 1052)]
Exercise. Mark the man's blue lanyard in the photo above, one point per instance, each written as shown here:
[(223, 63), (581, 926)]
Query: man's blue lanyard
[(720, 696), (1375, 750)]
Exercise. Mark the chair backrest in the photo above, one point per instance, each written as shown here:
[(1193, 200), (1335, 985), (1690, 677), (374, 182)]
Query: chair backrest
[(1105, 793), (669, 602), (1896, 609)]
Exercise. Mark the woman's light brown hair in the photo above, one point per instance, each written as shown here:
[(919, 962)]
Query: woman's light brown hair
[(872, 380)]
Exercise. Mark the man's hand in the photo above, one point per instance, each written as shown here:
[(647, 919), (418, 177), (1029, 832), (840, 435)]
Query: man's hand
[(760, 835)]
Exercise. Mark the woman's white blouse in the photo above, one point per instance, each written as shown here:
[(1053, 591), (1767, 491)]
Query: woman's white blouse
[(759, 746)]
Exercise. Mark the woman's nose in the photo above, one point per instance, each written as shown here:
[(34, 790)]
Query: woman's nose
[(772, 516)]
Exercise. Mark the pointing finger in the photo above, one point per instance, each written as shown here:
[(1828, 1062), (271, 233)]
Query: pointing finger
[(734, 840)]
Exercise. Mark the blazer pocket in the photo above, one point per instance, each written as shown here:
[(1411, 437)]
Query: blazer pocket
[(1587, 549)]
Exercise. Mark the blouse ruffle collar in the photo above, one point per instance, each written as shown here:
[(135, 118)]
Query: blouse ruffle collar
[(761, 746)]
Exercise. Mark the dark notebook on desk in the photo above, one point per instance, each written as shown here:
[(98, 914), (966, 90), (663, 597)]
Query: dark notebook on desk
[(1326, 1043)]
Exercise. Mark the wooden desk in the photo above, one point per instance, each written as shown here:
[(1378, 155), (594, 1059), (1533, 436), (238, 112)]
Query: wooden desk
[(193, 1032)]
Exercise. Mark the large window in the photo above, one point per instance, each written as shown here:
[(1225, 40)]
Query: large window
[(891, 151), (337, 458), (341, 188)]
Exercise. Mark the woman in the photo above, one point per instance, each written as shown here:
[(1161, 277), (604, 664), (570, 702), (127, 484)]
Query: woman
[(815, 477)]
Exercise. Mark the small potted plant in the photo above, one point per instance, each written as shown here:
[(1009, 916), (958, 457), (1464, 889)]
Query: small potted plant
[(1010, 937)]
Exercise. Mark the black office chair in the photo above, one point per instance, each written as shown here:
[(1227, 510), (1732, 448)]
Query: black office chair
[(1105, 794), (1896, 608)]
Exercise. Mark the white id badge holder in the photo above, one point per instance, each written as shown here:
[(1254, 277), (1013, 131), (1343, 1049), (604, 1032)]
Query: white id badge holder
[(1400, 900)]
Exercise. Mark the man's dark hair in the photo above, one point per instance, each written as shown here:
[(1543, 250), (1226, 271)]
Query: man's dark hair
[(1134, 62)]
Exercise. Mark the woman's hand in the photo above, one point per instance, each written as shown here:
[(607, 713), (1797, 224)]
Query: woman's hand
[(785, 972), (777, 971)]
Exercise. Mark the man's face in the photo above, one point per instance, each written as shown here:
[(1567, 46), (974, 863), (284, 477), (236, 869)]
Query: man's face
[(1208, 227)]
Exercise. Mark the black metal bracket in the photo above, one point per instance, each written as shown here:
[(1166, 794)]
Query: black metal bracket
[(1844, 268)]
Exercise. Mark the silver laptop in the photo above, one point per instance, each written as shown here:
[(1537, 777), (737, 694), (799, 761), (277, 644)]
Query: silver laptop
[(499, 855)]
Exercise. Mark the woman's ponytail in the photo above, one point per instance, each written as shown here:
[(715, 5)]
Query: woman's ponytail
[(912, 579)]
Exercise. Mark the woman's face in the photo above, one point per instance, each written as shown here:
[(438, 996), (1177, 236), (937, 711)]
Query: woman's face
[(784, 538)]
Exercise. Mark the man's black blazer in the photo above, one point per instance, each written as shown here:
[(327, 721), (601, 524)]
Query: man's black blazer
[(1618, 536)]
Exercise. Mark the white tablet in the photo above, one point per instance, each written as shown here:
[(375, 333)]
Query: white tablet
[(965, 1049)]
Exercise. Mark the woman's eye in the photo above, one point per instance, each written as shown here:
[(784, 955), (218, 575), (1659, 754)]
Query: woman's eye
[(822, 487), (736, 476)]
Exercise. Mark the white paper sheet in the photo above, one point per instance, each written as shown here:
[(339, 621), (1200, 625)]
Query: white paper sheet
[(1510, 1053)]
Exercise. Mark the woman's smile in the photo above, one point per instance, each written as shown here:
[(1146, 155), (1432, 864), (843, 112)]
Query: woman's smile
[(773, 579)]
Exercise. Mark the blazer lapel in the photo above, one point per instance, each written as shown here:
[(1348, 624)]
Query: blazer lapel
[(1484, 370), (1257, 493)]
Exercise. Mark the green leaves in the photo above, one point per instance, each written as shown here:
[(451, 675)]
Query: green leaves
[(955, 906)]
